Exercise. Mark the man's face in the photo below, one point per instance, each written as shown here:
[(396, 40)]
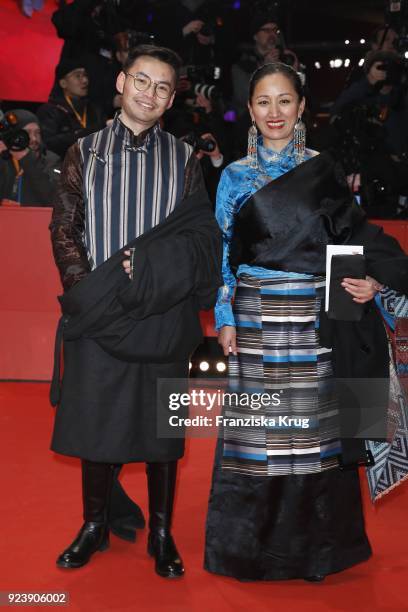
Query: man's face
[(144, 108), (34, 132), (75, 83), (267, 36)]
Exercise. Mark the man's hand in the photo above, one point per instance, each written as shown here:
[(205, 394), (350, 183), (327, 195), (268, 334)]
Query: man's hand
[(216, 154), (193, 27), (375, 75), (205, 40), (354, 182), (183, 85), (126, 263), (15, 154), (227, 338), (204, 103), (19, 154), (273, 55), (362, 290)]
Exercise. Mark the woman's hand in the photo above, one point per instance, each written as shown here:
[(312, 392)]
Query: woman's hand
[(227, 338), (362, 290)]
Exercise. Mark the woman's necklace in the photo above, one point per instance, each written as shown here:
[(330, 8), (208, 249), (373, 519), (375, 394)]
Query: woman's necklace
[(81, 119)]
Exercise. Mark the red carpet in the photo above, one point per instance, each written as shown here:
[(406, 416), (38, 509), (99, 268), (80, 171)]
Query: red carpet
[(41, 512)]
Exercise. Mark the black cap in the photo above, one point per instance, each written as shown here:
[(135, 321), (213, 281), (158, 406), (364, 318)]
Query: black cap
[(260, 19), (68, 65), (24, 117)]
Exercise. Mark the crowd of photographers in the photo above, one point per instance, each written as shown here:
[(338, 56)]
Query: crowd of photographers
[(368, 126)]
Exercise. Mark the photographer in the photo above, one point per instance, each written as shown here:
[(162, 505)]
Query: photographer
[(268, 46), (88, 28), (191, 27), (370, 121), (68, 114), (196, 119), (28, 172)]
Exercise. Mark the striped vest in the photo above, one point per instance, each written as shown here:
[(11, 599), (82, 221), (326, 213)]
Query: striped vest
[(128, 189)]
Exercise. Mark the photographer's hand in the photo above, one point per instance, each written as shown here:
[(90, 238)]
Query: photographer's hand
[(375, 75), (216, 155), (19, 154), (273, 55), (193, 27), (204, 103), (293, 57), (183, 85), (205, 40)]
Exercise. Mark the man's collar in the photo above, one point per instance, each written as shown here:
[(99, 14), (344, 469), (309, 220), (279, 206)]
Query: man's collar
[(144, 140)]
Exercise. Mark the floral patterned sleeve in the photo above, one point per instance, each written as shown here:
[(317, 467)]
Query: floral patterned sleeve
[(224, 212), (392, 305)]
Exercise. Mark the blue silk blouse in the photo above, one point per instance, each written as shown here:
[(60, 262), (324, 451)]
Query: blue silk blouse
[(238, 182)]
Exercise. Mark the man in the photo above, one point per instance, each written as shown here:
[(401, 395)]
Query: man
[(266, 47), (370, 127), (68, 114), (28, 176), (130, 185)]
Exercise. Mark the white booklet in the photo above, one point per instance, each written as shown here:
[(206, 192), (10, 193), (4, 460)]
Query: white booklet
[(338, 249)]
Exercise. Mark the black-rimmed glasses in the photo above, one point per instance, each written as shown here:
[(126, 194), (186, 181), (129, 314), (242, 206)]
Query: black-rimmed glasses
[(142, 82)]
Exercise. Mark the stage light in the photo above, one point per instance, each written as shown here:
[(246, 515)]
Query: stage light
[(406, 54), (318, 65), (331, 63), (338, 63), (347, 63), (236, 5), (204, 366), (347, 42), (221, 367), (361, 62), (362, 41), (190, 365)]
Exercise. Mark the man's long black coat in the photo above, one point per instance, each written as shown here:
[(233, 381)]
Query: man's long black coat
[(121, 336)]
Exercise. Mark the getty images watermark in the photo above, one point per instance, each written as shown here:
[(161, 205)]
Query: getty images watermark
[(206, 410), (356, 408)]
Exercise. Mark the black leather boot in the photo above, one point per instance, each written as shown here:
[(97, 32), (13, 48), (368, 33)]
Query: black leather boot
[(161, 481), (94, 533), (125, 516)]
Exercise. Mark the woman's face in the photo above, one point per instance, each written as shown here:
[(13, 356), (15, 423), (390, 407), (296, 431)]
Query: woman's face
[(275, 108)]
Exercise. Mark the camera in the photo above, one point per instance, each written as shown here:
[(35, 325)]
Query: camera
[(207, 29), (396, 14), (200, 144), (13, 137), (140, 38), (201, 78), (393, 72)]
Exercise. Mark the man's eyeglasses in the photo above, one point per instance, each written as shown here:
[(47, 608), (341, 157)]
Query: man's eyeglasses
[(270, 30), (142, 82)]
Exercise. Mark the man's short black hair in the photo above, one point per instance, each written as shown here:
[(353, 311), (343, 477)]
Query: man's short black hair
[(163, 54)]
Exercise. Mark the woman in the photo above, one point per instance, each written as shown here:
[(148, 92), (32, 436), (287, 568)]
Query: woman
[(282, 505)]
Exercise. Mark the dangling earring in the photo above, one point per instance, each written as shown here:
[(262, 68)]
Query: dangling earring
[(253, 146), (299, 140)]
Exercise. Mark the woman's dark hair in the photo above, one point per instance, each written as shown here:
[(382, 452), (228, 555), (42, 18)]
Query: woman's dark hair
[(276, 68), (160, 53)]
